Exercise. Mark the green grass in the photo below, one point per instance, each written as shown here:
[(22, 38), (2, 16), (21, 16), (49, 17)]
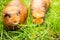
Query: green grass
[(49, 30)]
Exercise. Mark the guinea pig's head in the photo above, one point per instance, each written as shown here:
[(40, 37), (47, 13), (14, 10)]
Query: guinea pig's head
[(11, 16)]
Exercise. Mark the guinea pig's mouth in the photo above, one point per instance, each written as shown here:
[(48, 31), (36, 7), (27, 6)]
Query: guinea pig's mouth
[(15, 24)]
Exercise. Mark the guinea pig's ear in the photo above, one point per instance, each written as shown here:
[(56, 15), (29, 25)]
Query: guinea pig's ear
[(18, 13)]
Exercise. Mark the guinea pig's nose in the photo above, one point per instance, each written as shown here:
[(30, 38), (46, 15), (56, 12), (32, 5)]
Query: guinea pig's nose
[(15, 21)]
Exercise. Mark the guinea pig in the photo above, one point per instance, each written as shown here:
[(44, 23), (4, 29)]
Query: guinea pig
[(38, 9), (14, 13)]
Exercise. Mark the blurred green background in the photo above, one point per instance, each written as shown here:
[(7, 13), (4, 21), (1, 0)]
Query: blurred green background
[(49, 30)]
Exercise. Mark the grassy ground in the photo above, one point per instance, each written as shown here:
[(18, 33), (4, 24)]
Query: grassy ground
[(49, 30)]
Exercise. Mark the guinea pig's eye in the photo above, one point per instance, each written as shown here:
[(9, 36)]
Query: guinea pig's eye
[(18, 13), (7, 15)]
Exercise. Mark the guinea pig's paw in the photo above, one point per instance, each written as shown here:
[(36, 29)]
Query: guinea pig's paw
[(38, 20)]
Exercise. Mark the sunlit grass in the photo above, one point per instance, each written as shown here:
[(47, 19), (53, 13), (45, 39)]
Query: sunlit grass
[(49, 30)]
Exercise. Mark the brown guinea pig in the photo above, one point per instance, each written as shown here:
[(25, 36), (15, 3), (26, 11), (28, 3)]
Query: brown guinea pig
[(14, 13), (38, 9)]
